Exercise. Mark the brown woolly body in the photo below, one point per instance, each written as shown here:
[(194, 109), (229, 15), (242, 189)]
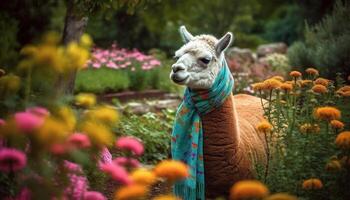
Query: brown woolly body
[(231, 143)]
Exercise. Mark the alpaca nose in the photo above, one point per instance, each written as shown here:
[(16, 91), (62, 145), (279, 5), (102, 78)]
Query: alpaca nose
[(177, 67)]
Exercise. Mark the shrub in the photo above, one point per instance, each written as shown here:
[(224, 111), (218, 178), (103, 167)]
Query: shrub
[(326, 44)]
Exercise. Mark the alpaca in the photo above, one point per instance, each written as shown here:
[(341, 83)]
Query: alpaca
[(231, 142)]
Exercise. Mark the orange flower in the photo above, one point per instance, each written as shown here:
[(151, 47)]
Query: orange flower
[(312, 71), (312, 184), (166, 197), (318, 88), (287, 86), (327, 113), (131, 192), (248, 189), (271, 84), (143, 177), (281, 196), (279, 78), (343, 140), (305, 83), (295, 74), (264, 126), (322, 81), (333, 166), (336, 124), (344, 91), (258, 86), (309, 128), (172, 170)]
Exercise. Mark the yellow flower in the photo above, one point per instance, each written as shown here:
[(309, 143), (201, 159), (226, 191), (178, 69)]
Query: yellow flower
[(318, 88), (85, 40), (67, 116), (131, 192), (10, 83), (52, 131), (77, 55), (85, 99), (309, 128), (172, 170), (333, 166), (286, 86), (295, 74), (105, 114), (271, 84), (281, 196), (264, 126), (336, 124), (312, 71), (322, 81), (49, 56), (258, 86), (343, 140), (327, 113), (279, 78), (312, 184), (248, 189), (166, 197), (99, 134), (143, 176)]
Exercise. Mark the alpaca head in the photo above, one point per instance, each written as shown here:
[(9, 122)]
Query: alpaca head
[(199, 59)]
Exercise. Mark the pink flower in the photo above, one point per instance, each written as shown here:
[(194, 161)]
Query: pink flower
[(154, 62), (39, 111), (130, 144), (106, 156), (59, 149), (92, 195), (111, 64), (2, 122), (79, 140), (117, 172), (96, 65), (25, 194), (27, 121), (129, 162), (12, 160)]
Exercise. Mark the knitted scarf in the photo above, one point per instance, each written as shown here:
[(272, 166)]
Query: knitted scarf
[(187, 135)]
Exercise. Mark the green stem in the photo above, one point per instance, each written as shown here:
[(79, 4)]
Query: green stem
[(28, 87)]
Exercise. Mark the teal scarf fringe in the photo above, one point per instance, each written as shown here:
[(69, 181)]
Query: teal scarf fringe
[(187, 135)]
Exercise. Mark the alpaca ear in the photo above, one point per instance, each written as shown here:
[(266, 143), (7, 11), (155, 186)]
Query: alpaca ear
[(223, 43), (186, 36)]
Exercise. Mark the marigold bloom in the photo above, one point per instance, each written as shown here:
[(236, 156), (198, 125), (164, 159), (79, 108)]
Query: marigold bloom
[(258, 86), (105, 114), (281, 196), (319, 89), (264, 126), (336, 124), (344, 91), (130, 144), (99, 134), (128, 162), (143, 176), (248, 189), (305, 83), (131, 192), (67, 115), (322, 81), (286, 86), (28, 122), (85, 99), (117, 172), (12, 160), (312, 184), (312, 71), (309, 128), (271, 84), (93, 195), (77, 55), (295, 74), (279, 78), (85, 40), (52, 131), (172, 170), (343, 140), (333, 166), (79, 140), (11, 82), (327, 113), (166, 197)]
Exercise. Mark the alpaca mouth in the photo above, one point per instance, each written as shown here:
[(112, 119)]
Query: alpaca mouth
[(179, 80)]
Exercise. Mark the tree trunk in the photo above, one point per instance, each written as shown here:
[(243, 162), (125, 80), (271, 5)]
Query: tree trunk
[(74, 26)]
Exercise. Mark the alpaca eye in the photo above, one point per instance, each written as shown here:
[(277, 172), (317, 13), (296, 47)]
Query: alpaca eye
[(204, 60)]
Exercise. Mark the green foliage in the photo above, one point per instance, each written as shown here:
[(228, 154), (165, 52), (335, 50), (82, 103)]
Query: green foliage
[(8, 27), (278, 63), (326, 45), (101, 80), (154, 130)]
